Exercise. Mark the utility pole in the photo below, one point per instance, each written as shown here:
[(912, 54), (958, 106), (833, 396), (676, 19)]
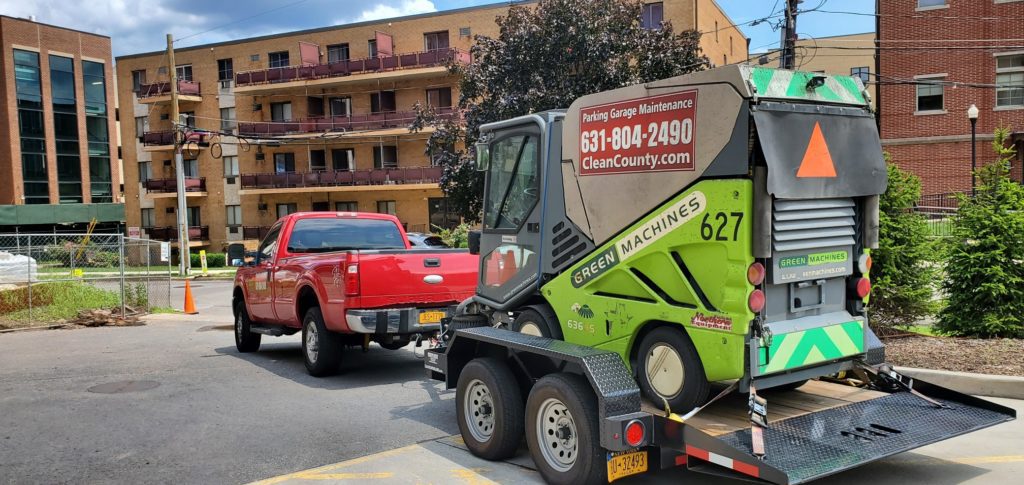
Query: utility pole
[(788, 58), (179, 163)]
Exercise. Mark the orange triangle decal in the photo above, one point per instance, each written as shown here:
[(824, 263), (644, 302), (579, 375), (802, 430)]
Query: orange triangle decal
[(817, 162)]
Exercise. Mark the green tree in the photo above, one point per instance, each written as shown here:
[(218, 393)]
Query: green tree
[(985, 272), (901, 275), (545, 56)]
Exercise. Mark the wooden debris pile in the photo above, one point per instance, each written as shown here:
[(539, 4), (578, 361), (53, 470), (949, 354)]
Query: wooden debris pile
[(107, 318)]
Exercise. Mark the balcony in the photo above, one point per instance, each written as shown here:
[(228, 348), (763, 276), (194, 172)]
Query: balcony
[(160, 93), (322, 124), (167, 188), (158, 141), (196, 234), (255, 232), (405, 178), (427, 63)]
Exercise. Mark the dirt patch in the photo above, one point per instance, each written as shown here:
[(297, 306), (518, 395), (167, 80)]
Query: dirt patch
[(996, 356)]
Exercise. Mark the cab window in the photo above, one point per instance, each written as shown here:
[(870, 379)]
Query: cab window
[(269, 245), (514, 183)]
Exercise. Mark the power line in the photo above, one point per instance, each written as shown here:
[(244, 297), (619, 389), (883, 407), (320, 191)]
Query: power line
[(914, 16)]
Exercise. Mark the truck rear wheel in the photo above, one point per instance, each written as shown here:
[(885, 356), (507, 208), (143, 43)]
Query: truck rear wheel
[(669, 368), (320, 348), (489, 406), (562, 431), (245, 340), (539, 321)]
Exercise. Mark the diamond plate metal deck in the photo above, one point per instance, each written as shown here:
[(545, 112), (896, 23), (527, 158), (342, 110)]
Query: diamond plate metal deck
[(819, 444)]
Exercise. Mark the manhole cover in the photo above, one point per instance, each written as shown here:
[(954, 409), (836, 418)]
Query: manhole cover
[(209, 328), (123, 386)]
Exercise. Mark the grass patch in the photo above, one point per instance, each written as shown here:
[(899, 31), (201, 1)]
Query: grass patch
[(54, 301), (923, 330), (163, 309)]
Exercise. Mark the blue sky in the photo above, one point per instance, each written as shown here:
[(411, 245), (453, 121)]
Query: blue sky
[(139, 25)]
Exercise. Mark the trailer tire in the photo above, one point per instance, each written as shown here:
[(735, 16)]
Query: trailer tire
[(670, 354), (245, 340), (565, 403), (488, 389), (321, 349), (539, 321)]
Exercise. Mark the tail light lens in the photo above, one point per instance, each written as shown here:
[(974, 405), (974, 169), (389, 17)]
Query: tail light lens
[(755, 274), (352, 279), (756, 301), (863, 287), (864, 264), (635, 433)]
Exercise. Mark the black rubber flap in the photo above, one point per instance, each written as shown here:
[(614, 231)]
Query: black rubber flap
[(792, 137), (826, 442)]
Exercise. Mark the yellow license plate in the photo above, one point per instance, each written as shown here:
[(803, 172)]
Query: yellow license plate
[(430, 317), (625, 464)]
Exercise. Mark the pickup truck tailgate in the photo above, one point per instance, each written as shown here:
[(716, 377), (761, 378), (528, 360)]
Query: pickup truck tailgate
[(418, 277)]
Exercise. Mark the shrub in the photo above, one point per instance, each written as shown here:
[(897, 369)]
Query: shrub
[(985, 272), (456, 237), (901, 276), (213, 260)]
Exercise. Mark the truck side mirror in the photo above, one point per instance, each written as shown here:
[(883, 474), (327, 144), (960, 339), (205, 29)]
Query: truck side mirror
[(474, 242)]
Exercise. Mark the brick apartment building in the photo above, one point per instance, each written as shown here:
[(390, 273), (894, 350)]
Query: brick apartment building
[(58, 152), (340, 96), (937, 58)]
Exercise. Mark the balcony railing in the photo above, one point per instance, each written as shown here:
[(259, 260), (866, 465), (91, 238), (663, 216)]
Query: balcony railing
[(356, 66), (163, 138), (255, 232), (170, 233), (192, 184), (159, 89), (331, 178), (372, 121)]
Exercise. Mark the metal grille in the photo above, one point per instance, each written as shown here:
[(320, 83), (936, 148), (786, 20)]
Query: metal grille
[(799, 225)]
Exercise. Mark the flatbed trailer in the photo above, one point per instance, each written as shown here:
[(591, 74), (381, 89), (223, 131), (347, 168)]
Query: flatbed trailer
[(816, 430)]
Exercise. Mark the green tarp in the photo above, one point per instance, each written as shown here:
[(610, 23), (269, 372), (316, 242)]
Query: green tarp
[(16, 215)]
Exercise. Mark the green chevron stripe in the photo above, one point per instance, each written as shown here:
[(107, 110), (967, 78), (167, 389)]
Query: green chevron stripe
[(814, 345), (776, 83)]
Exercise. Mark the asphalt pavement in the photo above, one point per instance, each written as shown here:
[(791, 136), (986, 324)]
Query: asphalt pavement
[(173, 402)]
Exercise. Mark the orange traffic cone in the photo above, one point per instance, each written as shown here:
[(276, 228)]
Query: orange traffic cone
[(190, 304)]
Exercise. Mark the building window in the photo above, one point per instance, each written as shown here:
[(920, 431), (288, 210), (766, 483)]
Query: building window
[(716, 31), (65, 129), (193, 216), (30, 123), (184, 72), (138, 79), (433, 41), (141, 125), (386, 207), (439, 98), (234, 215), (322, 206), (284, 162), (340, 106), (230, 166), (441, 214), (342, 159), (652, 15), (227, 119), (278, 59), (862, 72), (348, 206), (190, 118), (145, 171), (930, 3), (254, 58), (225, 69), (191, 168), (382, 102), (317, 160), (337, 53), (1010, 81), (280, 111), (930, 94), (372, 47), (285, 209), (385, 156), (147, 218)]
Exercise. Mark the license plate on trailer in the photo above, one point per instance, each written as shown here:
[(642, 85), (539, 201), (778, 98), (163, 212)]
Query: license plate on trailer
[(431, 317), (626, 463)]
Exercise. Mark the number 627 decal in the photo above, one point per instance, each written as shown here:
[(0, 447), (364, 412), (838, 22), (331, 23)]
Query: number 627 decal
[(720, 226)]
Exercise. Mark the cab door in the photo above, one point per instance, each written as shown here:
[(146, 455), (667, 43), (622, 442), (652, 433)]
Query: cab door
[(258, 282)]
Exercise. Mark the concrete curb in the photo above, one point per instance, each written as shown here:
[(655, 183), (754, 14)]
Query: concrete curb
[(968, 383)]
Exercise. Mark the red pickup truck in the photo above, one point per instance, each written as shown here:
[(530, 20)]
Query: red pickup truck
[(346, 279)]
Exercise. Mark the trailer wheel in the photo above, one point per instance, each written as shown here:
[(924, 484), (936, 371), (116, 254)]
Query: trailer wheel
[(539, 321), (245, 339), (321, 349), (562, 431), (489, 406), (669, 368)]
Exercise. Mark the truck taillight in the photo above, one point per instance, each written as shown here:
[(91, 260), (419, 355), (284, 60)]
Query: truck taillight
[(863, 287), (756, 301), (755, 274), (352, 279), (864, 263), (635, 433)]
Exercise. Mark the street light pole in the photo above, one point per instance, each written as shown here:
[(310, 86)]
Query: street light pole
[(972, 114)]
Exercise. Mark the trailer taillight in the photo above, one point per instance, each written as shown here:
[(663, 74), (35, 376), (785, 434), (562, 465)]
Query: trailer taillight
[(864, 264), (756, 301), (863, 286), (352, 279), (635, 433), (755, 274)]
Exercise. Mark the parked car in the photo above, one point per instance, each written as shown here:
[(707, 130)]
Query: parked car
[(419, 240), (346, 279)]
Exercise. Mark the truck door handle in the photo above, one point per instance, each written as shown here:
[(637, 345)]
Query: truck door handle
[(432, 262)]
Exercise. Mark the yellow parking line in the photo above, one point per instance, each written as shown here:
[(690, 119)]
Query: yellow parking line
[(967, 460), (308, 474), (471, 476), (343, 476)]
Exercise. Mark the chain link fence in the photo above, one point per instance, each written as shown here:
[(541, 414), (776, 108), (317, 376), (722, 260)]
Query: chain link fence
[(51, 278)]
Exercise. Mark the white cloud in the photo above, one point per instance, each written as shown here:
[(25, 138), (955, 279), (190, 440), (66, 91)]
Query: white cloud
[(406, 7)]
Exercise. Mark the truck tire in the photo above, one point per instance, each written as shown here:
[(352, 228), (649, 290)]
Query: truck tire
[(669, 368), (539, 321), (562, 431), (321, 349), (489, 406), (245, 340)]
